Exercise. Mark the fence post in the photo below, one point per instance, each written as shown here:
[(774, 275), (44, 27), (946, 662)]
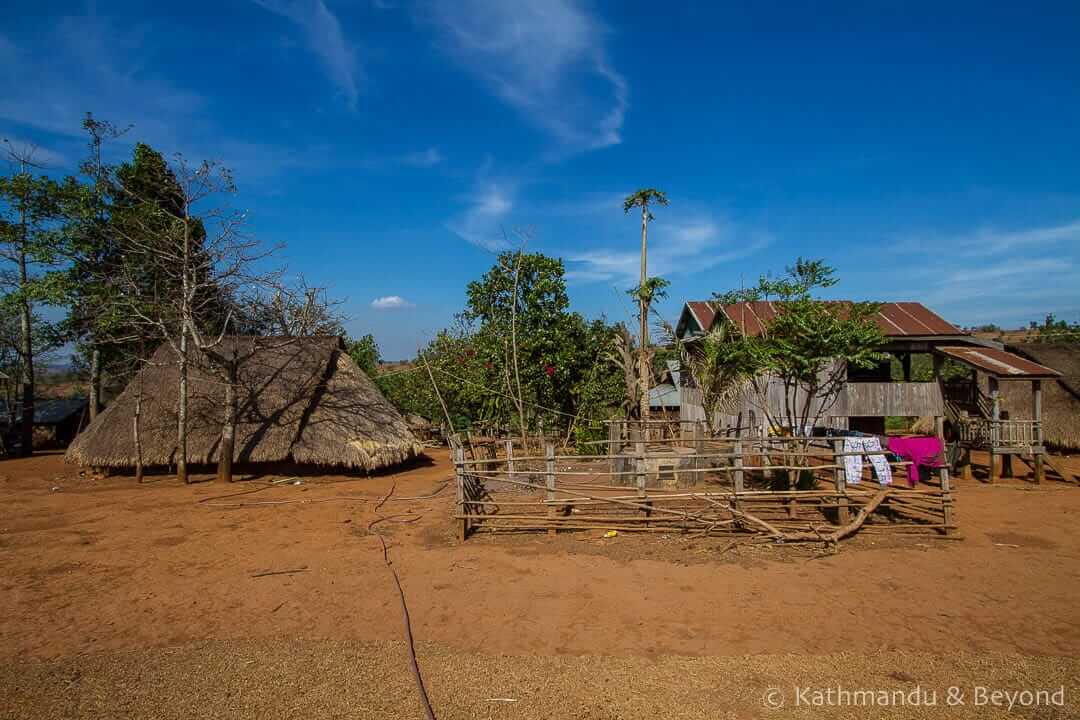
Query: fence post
[(459, 473), (699, 450), (840, 478), (549, 461), (738, 474), (639, 457), (613, 448), (946, 499), (509, 444)]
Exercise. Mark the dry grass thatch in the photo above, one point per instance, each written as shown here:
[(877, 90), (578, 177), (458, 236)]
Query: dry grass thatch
[(303, 401), (1061, 397)]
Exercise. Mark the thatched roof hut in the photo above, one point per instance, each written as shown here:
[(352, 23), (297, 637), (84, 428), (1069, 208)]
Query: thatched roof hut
[(302, 400), (1061, 397)]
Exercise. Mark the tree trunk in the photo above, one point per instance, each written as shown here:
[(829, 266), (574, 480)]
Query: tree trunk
[(228, 429), (182, 411), (185, 325), (137, 433), (643, 349), (95, 383), (26, 349)]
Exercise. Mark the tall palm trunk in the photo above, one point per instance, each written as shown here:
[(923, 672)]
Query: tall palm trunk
[(643, 359)]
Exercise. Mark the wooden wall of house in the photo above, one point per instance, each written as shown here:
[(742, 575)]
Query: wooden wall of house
[(856, 399)]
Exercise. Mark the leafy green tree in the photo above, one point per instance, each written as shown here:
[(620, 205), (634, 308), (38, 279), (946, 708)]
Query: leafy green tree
[(560, 378), (806, 348), (95, 321), (365, 353), (647, 287), (30, 242)]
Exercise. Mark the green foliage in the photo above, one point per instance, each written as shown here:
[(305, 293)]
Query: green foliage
[(809, 343), (365, 353), (655, 288), (559, 356), (1053, 330), (643, 198), (720, 364), (31, 215)]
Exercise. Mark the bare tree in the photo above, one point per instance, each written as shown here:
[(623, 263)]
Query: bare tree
[(198, 261)]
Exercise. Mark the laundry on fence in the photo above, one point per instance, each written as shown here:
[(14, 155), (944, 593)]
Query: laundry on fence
[(853, 464)]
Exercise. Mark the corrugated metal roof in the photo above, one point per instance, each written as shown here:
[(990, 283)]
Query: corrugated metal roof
[(896, 319), (49, 411), (999, 363), (664, 396)]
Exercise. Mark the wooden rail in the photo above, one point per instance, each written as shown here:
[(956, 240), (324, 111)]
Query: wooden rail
[(782, 489)]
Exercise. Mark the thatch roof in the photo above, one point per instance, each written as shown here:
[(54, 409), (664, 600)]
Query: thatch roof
[(302, 401), (1061, 397)]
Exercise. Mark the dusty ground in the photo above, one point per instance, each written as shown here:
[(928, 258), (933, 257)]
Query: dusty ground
[(136, 601)]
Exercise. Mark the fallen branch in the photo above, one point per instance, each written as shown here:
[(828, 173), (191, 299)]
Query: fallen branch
[(268, 573)]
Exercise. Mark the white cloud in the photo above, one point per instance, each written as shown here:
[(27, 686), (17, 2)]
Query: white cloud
[(678, 248), (482, 223), (390, 302), (423, 158), (545, 58), (992, 241), (325, 39)]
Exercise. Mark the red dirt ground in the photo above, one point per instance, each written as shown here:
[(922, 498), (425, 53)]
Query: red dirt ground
[(104, 564)]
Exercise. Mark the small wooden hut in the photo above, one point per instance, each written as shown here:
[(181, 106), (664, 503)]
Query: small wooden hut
[(1061, 396), (300, 400)]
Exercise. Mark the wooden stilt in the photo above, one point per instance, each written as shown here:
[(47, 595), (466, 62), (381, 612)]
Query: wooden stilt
[(1037, 438)]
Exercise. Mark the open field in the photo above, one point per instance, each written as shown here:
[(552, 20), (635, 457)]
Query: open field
[(141, 601)]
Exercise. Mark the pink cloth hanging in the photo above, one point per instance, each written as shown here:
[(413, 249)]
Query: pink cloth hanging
[(922, 451)]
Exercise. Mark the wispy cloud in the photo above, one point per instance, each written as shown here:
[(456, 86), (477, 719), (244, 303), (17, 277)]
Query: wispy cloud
[(996, 241), (482, 224), (90, 65), (679, 248), (324, 37), (545, 58), (41, 156), (390, 302), (1004, 276)]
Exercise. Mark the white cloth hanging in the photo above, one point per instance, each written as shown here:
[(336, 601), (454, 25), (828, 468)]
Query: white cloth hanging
[(853, 464)]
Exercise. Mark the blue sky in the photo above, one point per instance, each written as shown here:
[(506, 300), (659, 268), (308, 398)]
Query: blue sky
[(930, 152)]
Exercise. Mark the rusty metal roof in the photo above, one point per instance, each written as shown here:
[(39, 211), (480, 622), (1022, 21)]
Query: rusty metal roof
[(999, 363), (896, 319)]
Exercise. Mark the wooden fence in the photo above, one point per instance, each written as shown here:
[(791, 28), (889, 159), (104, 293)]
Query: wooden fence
[(783, 489)]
